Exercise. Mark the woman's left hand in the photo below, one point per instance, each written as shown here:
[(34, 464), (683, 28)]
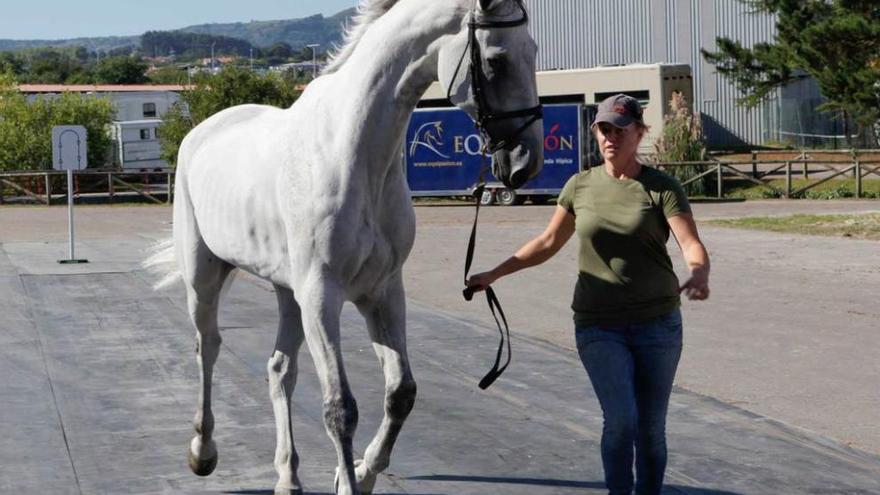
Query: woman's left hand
[(696, 288)]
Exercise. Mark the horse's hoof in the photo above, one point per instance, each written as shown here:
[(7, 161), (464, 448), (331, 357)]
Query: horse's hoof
[(360, 488), (288, 491), (366, 480), (201, 467)]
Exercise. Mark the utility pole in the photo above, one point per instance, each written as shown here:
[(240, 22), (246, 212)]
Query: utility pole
[(252, 59), (314, 60), (212, 56)]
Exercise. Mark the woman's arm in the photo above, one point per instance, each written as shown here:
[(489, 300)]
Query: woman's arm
[(685, 231), (532, 253)]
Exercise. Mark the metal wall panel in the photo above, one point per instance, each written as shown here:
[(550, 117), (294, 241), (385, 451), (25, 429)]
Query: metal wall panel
[(589, 33)]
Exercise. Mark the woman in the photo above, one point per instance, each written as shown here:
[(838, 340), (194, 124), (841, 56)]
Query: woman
[(626, 300)]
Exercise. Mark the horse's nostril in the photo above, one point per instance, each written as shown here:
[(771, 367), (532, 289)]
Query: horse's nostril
[(518, 178)]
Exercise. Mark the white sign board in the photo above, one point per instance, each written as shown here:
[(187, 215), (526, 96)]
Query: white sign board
[(69, 147)]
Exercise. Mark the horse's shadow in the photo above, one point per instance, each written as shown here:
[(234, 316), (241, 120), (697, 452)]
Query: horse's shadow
[(545, 482)]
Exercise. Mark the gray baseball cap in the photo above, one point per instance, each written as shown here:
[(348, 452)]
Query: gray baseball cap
[(619, 110)]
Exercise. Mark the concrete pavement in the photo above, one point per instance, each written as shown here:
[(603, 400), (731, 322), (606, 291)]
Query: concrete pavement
[(102, 377)]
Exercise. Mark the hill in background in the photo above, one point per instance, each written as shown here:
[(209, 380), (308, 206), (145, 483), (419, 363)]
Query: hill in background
[(295, 32), (104, 44)]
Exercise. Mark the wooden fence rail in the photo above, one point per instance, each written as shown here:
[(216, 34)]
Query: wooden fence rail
[(828, 170), (39, 186), (156, 186)]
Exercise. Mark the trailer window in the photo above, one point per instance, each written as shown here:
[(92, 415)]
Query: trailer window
[(559, 99), (644, 97), (145, 134), (149, 110)]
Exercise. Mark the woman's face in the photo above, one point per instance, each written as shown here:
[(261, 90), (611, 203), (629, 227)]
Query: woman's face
[(618, 144)]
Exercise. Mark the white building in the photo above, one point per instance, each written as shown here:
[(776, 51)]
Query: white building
[(133, 102), (139, 110)]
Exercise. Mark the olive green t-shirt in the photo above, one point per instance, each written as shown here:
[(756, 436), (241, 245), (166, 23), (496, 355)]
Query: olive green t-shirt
[(625, 274)]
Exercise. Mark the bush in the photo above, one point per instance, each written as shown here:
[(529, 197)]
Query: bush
[(682, 141), (213, 93), (26, 128)]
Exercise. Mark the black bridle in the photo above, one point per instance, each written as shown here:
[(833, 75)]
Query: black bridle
[(485, 116)]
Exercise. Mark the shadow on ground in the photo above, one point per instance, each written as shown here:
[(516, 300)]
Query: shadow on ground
[(595, 485)]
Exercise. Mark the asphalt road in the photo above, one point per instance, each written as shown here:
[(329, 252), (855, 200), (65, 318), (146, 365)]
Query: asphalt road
[(776, 392)]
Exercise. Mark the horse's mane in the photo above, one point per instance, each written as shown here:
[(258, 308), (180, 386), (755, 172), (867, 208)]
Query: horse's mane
[(367, 13)]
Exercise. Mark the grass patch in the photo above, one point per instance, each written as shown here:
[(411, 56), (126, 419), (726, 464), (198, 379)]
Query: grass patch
[(832, 189), (865, 226)]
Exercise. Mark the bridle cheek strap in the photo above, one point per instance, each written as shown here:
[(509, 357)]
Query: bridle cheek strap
[(485, 116)]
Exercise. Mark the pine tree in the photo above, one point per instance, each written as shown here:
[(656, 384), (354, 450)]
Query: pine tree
[(836, 42)]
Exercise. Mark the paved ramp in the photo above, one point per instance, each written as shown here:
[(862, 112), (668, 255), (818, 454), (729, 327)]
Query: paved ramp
[(99, 386)]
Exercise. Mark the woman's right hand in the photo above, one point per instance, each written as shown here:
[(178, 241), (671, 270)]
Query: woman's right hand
[(480, 281)]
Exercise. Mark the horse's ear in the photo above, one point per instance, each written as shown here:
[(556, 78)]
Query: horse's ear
[(485, 4)]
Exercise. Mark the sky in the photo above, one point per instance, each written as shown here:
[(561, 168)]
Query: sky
[(61, 19)]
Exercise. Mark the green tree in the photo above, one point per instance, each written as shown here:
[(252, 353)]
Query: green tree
[(50, 66), (280, 50), (11, 63), (682, 141), (836, 42), (169, 74), (213, 93), (26, 127), (121, 70)]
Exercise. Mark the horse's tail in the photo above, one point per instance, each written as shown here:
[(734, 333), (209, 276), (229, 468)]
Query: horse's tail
[(162, 263)]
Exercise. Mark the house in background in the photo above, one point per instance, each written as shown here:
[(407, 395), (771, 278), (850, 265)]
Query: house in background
[(139, 111)]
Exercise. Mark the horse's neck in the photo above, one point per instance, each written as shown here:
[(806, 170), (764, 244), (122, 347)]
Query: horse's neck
[(389, 72)]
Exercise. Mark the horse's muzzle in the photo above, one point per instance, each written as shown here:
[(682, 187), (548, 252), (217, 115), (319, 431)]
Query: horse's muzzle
[(516, 166)]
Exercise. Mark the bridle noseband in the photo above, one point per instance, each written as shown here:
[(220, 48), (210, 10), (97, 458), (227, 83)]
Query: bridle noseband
[(485, 116)]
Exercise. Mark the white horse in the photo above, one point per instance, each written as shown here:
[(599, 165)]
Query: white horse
[(314, 199)]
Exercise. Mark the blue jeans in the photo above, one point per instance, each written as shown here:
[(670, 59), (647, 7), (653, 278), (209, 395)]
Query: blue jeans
[(632, 367)]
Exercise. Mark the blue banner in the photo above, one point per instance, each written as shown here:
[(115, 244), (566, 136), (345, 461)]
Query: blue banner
[(443, 150)]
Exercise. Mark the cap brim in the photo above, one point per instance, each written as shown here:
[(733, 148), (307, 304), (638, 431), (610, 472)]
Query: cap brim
[(614, 118)]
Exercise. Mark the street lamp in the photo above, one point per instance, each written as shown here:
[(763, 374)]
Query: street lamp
[(314, 60)]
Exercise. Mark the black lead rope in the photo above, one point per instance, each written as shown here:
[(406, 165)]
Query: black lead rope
[(491, 298), (484, 117)]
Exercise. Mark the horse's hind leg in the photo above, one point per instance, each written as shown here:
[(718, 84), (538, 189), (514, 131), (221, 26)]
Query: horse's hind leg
[(386, 321), (204, 277), (282, 368)]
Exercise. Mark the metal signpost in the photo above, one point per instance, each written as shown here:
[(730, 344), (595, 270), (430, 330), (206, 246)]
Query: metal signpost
[(69, 152)]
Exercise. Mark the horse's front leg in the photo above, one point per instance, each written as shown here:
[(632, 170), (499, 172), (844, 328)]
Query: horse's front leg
[(321, 300), (386, 322), (282, 368)]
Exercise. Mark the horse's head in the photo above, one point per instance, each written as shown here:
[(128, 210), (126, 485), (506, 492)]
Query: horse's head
[(488, 70)]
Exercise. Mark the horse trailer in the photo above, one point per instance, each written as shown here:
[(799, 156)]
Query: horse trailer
[(137, 145), (442, 145)]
